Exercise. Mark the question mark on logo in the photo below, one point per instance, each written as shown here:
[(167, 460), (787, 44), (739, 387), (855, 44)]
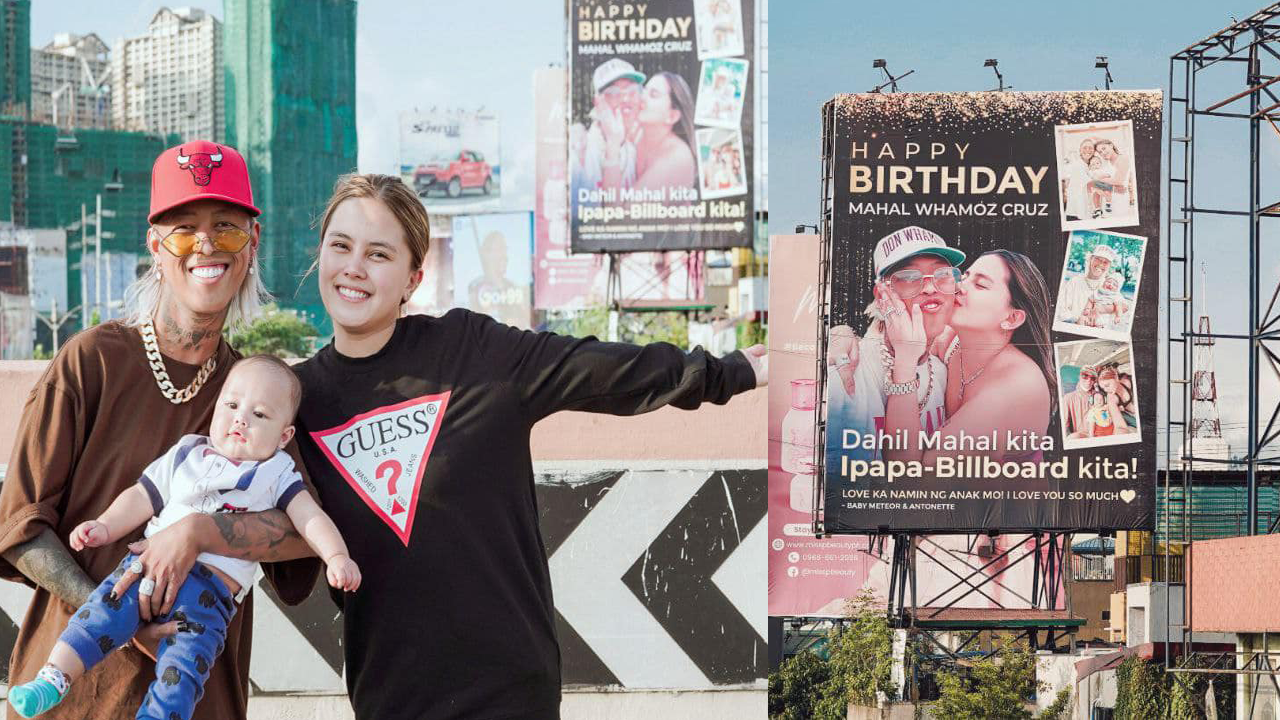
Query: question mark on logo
[(393, 470)]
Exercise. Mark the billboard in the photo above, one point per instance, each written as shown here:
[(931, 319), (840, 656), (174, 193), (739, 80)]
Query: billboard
[(561, 280), (814, 577), (660, 138), (450, 158), (491, 265), (991, 344)]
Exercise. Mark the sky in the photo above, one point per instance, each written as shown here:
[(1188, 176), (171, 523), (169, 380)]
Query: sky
[(408, 54), (820, 48)]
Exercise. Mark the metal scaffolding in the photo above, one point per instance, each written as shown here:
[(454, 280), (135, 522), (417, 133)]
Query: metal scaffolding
[(1248, 46)]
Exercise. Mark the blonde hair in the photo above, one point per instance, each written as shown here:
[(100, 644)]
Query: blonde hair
[(142, 297), (399, 199)]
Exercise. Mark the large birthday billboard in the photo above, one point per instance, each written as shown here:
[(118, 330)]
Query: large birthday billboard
[(660, 134), (992, 337)]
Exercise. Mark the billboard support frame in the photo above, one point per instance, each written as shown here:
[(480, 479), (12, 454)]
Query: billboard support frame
[(826, 206), (904, 612), (1241, 42)]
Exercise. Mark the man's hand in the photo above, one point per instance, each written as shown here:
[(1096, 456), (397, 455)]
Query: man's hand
[(758, 356), (167, 557), (149, 636)]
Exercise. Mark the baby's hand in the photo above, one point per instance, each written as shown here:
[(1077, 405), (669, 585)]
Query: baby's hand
[(343, 573), (89, 533)]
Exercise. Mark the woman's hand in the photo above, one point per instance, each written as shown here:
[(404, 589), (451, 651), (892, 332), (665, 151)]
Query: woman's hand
[(89, 533), (149, 636), (167, 557), (342, 573), (758, 356), (903, 330), (842, 354)]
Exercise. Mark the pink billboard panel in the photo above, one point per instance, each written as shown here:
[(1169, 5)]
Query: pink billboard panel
[(561, 281), (808, 576)]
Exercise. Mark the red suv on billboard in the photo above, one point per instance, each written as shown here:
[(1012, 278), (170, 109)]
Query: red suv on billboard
[(465, 171)]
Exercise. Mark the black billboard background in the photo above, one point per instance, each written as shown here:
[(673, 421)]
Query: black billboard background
[(1003, 130), (688, 66)]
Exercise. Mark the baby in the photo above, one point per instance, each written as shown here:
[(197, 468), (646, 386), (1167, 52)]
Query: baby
[(1098, 419), (239, 467), (1108, 309), (1101, 172)]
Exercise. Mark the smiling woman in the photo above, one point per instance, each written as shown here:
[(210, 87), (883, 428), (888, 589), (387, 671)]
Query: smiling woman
[(417, 430)]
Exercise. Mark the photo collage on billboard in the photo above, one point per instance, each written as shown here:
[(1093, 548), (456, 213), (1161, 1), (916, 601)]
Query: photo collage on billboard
[(991, 346), (660, 126)]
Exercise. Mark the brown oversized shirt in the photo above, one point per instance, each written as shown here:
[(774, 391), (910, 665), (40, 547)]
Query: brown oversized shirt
[(91, 425)]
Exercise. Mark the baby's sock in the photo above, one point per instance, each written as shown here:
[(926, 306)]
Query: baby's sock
[(39, 695)]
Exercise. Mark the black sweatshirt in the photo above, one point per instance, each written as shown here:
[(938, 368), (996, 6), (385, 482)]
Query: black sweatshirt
[(454, 617)]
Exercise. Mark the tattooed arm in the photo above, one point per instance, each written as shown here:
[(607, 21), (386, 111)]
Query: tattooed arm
[(169, 555), (48, 563), (266, 536)]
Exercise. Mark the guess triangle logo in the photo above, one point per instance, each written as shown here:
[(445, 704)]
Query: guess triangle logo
[(382, 454)]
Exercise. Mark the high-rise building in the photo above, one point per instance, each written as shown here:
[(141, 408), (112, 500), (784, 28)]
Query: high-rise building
[(171, 80), (15, 58), (70, 85), (291, 111)]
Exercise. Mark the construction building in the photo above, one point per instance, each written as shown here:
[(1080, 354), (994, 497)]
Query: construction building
[(15, 58), (170, 80), (70, 84), (65, 174), (291, 111)]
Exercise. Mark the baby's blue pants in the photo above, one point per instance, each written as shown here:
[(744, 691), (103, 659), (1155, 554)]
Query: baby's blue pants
[(183, 660)]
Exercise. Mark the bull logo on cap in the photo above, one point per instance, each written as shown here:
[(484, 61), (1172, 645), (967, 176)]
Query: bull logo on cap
[(201, 165)]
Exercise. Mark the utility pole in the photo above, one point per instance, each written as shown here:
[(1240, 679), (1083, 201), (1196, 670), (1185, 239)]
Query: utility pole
[(97, 257), (84, 245), (54, 323)]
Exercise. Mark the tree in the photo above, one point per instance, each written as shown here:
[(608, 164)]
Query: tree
[(1059, 708), (794, 689), (275, 332), (1142, 690), (861, 658), (858, 669), (998, 687)]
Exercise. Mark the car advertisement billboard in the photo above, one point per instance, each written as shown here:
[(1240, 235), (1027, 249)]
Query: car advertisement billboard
[(450, 158)]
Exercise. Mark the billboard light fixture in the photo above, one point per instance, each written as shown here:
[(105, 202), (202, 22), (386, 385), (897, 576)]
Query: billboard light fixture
[(890, 82), (1101, 64), (994, 64)]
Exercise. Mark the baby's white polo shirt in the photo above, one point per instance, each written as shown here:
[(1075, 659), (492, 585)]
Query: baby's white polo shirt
[(191, 477)]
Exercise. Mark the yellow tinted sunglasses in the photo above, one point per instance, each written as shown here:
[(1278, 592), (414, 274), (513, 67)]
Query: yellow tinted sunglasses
[(185, 242)]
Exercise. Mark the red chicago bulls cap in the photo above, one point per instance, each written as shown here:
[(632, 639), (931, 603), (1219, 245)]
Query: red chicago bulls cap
[(199, 170)]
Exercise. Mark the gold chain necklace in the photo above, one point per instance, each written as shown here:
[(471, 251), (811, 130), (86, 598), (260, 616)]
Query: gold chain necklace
[(156, 360)]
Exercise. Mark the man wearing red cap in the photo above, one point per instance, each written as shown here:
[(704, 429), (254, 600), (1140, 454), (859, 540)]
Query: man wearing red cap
[(114, 399)]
